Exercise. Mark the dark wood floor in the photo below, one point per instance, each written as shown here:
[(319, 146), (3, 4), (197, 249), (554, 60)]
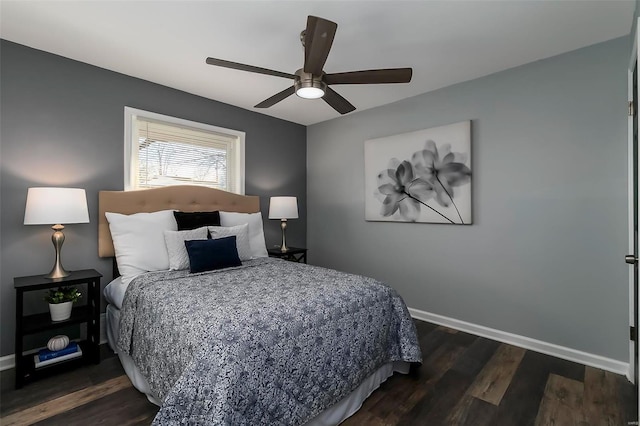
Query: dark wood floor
[(464, 380)]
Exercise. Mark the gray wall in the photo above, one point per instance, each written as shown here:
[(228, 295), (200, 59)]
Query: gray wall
[(634, 24), (62, 124), (544, 257)]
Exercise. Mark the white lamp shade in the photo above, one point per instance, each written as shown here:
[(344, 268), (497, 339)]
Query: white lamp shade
[(283, 208), (51, 206)]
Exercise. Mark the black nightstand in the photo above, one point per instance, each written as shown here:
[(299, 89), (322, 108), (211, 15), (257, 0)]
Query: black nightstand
[(31, 324), (294, 254)]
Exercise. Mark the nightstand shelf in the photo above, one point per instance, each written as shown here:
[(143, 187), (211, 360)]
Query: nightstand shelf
[(31, 373), (42, 322), (38, 323), (294, 254)]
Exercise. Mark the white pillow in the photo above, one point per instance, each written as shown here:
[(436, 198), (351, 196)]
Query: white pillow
[(138, 240), (256, 234), (177, 251), (241, 233)]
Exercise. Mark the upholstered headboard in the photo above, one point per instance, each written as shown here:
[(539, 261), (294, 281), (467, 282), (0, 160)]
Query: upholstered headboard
[(184, 198)]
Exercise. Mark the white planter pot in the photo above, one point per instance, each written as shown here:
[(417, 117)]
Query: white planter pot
[(60, 311)]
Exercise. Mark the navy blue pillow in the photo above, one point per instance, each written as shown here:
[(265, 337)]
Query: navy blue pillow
[(207, 255)]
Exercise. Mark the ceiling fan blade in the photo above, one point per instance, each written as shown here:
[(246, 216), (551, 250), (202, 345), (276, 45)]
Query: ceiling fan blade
[(276, 98), (337, 102), (317, 43), (392, 75), (248, 68)]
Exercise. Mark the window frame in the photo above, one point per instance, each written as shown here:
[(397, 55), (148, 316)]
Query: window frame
[(132, 113)]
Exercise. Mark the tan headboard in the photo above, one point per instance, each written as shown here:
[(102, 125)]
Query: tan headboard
[(184, 198)]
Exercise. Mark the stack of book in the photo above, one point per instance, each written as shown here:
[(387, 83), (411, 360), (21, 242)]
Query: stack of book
[(46, 357)]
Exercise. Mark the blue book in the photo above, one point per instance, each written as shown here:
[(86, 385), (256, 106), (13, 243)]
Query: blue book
[(45, 354), (37, 363)]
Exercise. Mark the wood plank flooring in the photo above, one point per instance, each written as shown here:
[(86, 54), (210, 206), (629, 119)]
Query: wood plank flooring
[(464, 380)]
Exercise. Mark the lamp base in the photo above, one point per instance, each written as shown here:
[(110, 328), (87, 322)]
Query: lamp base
[(57, 272), (57, 238), (283, 247)]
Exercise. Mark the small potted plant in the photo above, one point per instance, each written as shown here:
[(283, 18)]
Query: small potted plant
[(61, 302)]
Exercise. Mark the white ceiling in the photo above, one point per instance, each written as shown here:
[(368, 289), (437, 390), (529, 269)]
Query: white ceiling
[(445, 42)]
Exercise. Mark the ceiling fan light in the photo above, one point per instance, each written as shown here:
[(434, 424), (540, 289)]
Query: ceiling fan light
[(310, 92), (309, 86)]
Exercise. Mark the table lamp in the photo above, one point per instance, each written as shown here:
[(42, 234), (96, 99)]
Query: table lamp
[(283, 208), (46, 206)]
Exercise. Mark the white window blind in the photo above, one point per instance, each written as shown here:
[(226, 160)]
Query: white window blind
[(165, 153)]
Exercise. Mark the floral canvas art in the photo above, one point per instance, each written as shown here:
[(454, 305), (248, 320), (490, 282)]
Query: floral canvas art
[(422, 176)]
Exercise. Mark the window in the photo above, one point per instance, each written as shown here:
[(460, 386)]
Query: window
[(162, 151)]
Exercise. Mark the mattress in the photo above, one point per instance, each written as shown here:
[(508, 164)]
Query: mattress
[(114, 292)]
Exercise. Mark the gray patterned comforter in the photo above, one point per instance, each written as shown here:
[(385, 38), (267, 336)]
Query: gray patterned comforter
[(269, 343)]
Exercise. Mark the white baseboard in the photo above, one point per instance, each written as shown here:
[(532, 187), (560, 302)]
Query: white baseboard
[(9, 361), (562, 352)]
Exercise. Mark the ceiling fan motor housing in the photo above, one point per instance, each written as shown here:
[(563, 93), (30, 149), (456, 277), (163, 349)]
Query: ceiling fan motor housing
[(308, 85)]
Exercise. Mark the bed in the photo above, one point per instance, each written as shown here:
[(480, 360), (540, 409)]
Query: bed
[(265, 342)]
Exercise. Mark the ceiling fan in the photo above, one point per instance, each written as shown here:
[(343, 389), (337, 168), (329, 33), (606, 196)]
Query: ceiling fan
[(311, 82)]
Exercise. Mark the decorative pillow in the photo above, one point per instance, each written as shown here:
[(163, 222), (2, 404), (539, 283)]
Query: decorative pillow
[(208, 255), (193, 220), (256, 234), (241, 232), (138, 240), (178, 257)]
